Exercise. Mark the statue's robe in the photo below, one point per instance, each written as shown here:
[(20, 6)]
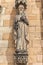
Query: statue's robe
[(21, 32)]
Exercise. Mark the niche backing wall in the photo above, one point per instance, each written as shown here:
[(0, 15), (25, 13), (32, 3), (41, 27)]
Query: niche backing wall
[(6, 32)]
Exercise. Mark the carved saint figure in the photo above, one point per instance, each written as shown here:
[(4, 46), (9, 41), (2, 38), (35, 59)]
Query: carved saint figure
[(20, 26)]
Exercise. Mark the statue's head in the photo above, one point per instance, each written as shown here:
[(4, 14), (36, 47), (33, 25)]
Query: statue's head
[(21, 9)]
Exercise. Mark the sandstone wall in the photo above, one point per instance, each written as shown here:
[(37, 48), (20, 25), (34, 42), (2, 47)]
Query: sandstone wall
[(34, 32)]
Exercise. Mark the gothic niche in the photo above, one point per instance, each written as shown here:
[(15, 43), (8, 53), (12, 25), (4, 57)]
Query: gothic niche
[(20, 33)]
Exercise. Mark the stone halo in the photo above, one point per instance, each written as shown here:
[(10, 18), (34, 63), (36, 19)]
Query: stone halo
[(20, 3)]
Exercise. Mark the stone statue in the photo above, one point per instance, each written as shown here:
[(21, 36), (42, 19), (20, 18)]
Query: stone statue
[(20, 26), (20, 33)]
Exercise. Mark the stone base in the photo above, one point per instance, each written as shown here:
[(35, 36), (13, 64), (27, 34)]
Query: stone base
[(21, 58)]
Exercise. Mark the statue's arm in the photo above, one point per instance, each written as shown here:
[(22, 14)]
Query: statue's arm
[(24, 19)]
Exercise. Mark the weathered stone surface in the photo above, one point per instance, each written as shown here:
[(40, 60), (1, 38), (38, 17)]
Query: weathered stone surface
[(3, 47), (5, 29), (3, 60), (35, 46)]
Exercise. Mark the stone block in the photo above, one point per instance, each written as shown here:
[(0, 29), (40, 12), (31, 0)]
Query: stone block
[(3, 60), (5, 29), (3, 46)]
